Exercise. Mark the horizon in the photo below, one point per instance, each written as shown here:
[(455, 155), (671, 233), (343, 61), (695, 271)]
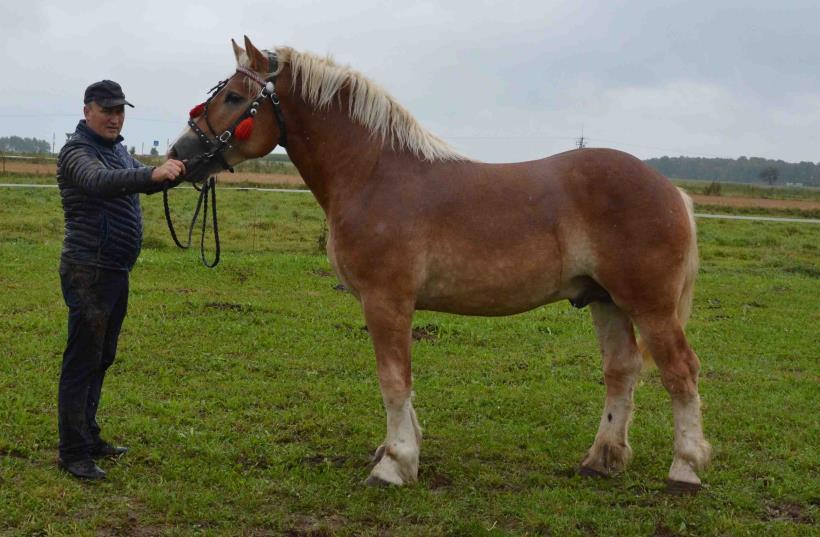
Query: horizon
[(53, 154)]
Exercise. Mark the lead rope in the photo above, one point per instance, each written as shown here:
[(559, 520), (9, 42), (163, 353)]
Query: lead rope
[(202, 203)]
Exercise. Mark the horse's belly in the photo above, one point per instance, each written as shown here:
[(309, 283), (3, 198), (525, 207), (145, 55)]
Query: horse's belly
[(492, 285)]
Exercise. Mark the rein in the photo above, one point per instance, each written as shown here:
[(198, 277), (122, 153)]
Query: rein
[(215, 148), (202, 203)]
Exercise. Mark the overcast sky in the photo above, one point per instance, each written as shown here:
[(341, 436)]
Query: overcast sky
[(501, 81)]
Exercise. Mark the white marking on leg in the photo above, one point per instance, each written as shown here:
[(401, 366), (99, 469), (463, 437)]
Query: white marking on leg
[(400, 462), (611, 450), (622, 364), (616, 418), (692, 451)]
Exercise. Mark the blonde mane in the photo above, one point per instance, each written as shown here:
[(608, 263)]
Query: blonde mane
[(321, 80)]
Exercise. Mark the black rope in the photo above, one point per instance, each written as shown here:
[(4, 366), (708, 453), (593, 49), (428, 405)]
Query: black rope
[(201, 204), (210, 184)]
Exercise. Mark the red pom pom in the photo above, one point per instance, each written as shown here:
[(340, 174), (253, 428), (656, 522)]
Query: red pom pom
[(244, 129), (197, 110)]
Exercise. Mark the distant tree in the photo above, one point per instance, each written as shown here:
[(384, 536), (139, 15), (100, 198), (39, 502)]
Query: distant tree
[(15, 144), (132, 150), (742, 170), (154, 152), (769, 174)]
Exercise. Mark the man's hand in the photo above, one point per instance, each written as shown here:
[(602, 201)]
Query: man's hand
[(170, 170)]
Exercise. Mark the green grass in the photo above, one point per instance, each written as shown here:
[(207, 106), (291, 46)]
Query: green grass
[(249, 398)]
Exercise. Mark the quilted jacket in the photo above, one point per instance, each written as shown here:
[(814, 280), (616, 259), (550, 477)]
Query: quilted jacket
[(99, 185)]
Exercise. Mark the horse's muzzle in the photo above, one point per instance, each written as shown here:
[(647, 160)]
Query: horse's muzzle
[(198, 165)]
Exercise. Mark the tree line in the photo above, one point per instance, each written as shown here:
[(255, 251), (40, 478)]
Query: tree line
[(15, 144), (741, 170)]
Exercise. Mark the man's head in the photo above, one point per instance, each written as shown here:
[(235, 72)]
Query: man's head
[(105, 108)]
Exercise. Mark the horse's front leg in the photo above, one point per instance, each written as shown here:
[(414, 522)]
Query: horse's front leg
[(389, 322)]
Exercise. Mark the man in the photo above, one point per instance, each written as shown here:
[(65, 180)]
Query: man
[(100, 183)]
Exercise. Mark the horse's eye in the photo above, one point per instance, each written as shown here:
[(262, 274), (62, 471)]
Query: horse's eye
[(233, 98)]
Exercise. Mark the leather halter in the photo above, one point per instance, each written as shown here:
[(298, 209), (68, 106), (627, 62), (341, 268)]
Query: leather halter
[(214, 148)]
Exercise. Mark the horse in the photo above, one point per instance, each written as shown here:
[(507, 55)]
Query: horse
[(414, 225)]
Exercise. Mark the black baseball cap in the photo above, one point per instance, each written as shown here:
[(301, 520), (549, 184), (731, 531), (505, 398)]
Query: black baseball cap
[(105, 93)]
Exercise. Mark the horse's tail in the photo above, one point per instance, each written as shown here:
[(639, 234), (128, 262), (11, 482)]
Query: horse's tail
[(690, 272)]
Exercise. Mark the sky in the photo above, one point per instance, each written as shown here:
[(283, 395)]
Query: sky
[(501, 81)]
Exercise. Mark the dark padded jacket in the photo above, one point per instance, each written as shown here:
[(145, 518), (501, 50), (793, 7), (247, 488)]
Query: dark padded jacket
[(100, 184)]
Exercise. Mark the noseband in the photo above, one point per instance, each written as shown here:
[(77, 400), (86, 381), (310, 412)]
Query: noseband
[(214, 148)]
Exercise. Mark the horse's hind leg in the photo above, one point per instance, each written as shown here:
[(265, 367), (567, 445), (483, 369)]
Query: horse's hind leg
[(622, 364), (389, 323), (679, 367)]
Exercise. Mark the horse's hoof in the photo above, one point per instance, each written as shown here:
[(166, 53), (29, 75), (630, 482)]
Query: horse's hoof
[(586, 471), (374, 481), (682, 488)]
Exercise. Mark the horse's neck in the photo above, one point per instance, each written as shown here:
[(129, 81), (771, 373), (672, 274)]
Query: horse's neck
[(334, 156)]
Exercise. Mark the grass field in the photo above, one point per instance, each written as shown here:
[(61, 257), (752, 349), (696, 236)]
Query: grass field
[(249, 399), (751, 191)]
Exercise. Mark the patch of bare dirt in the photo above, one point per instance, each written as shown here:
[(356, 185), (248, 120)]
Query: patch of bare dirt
[(32, 168), (428, 332), (228, 306), (312, 526), (662, 530), (790, 512)]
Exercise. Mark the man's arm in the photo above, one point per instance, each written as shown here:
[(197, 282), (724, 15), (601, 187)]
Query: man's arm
[(169, 174), (81, 167)]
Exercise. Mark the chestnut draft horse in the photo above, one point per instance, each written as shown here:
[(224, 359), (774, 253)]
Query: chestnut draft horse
[(414, 225)]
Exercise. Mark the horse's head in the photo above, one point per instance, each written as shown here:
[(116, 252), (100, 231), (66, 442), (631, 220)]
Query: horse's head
[(240, 120)]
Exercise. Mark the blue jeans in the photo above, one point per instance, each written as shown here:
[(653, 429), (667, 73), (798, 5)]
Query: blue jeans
[(97, 301)]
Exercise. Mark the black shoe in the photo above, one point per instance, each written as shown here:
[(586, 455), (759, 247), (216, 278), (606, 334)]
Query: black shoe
[(83, 469), (105, 450)]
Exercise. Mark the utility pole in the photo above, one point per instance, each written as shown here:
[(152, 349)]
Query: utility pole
[(53, 142), (581, 142)]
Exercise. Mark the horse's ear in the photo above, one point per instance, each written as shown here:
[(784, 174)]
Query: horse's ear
[(258, 61), (238, 51)]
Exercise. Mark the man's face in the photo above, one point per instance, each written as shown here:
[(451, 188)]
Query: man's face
[(105, 121)]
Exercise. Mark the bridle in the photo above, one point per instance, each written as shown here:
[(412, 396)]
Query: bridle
[(215, 148)]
